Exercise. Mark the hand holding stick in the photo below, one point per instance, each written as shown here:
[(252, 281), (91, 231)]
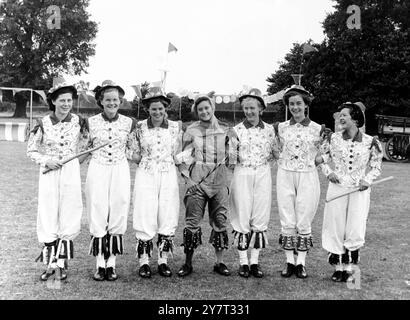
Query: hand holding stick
[(357, 189), (79, 155)]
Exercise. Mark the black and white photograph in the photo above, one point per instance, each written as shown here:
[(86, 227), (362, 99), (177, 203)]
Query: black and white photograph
[(204, 154)]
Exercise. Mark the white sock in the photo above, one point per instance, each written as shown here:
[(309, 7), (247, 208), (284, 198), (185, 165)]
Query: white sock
[(255, 256), (219, 256), (301, 257), (100, 261), (164, 258), (348, 267), (339, 267), (290, 258), (111, 261), (60, 263), (243, 257), (143, 260)]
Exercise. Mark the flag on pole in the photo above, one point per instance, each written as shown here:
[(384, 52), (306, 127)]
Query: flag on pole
[(171, 48), (308, 48)]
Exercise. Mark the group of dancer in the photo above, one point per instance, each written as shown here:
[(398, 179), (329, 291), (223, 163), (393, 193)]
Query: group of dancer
[(202, 154)]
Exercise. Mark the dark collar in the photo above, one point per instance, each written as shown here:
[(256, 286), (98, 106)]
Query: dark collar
[(110, 120), (55, 120), (248, 125), (305, 122), (358, 137), (163, 125)]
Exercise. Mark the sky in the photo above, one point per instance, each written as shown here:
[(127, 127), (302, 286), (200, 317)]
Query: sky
[(222, 44)]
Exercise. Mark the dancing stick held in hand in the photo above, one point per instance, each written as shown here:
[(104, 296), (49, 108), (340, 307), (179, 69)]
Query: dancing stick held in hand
[(79, 155), (357, 189)]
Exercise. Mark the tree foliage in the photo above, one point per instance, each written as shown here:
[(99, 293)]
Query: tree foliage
[(32, 53), (370, 64)]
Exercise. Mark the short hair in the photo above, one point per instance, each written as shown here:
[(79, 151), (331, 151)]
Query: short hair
[(355, 113), (54, 96), (306, 98), (156, 99), (109, 89)]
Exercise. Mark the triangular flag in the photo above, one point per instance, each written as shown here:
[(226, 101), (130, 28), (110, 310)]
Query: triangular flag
[(297, 78), (171, 48), (42, 94), (308, 48)]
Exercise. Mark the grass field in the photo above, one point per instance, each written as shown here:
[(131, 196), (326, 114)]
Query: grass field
[(385, 272)]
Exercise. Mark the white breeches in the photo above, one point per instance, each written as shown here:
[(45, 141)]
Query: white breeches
[(60, 205), (156, 203), (108, 198), (298, 195), (344, 221), (250, 199)]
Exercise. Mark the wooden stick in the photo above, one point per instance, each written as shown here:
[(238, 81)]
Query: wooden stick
[(357, 189), (78, 155)]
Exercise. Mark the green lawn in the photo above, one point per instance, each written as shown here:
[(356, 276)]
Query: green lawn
[(384, 261)]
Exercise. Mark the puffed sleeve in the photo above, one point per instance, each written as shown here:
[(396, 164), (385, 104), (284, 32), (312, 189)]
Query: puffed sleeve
[(185, 157), (35, 145), (375, 161)]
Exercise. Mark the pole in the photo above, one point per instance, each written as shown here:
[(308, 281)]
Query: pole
[(180, 108), (31, 109)]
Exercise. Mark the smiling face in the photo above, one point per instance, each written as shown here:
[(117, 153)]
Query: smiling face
[(297, 107), (156, 111), (111, 102), (252, 109), (205, 111), (345, 119), (63, 104)]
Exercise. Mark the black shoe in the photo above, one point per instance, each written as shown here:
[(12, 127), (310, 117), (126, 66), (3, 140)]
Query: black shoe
[(256, 271), (99, 275), (47, 274), (347, 276), (164, 270), (222, 269), (337, 276), (62, 274), (288, 271), (185, 270), (244, 271), (110, 274), (145, 271), (301, 271)]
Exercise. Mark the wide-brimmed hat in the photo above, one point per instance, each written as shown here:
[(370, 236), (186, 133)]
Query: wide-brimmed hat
[(107, 84), (297, 89), (253, 93), (52, 94), (155, 93)]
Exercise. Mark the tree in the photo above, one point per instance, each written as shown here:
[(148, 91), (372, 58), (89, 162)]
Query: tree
[(41, 40), (370, 64)]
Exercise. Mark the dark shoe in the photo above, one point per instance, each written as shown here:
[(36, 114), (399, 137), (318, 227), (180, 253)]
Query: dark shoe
[(222, 269), (301, 271), (347, 276), (47, 274), (256, 271), (99, 275), (337, 276), (185, 270), (288, 271), (244, 271), (145, 271), (164, 270), (110, 274), (62, 274)]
